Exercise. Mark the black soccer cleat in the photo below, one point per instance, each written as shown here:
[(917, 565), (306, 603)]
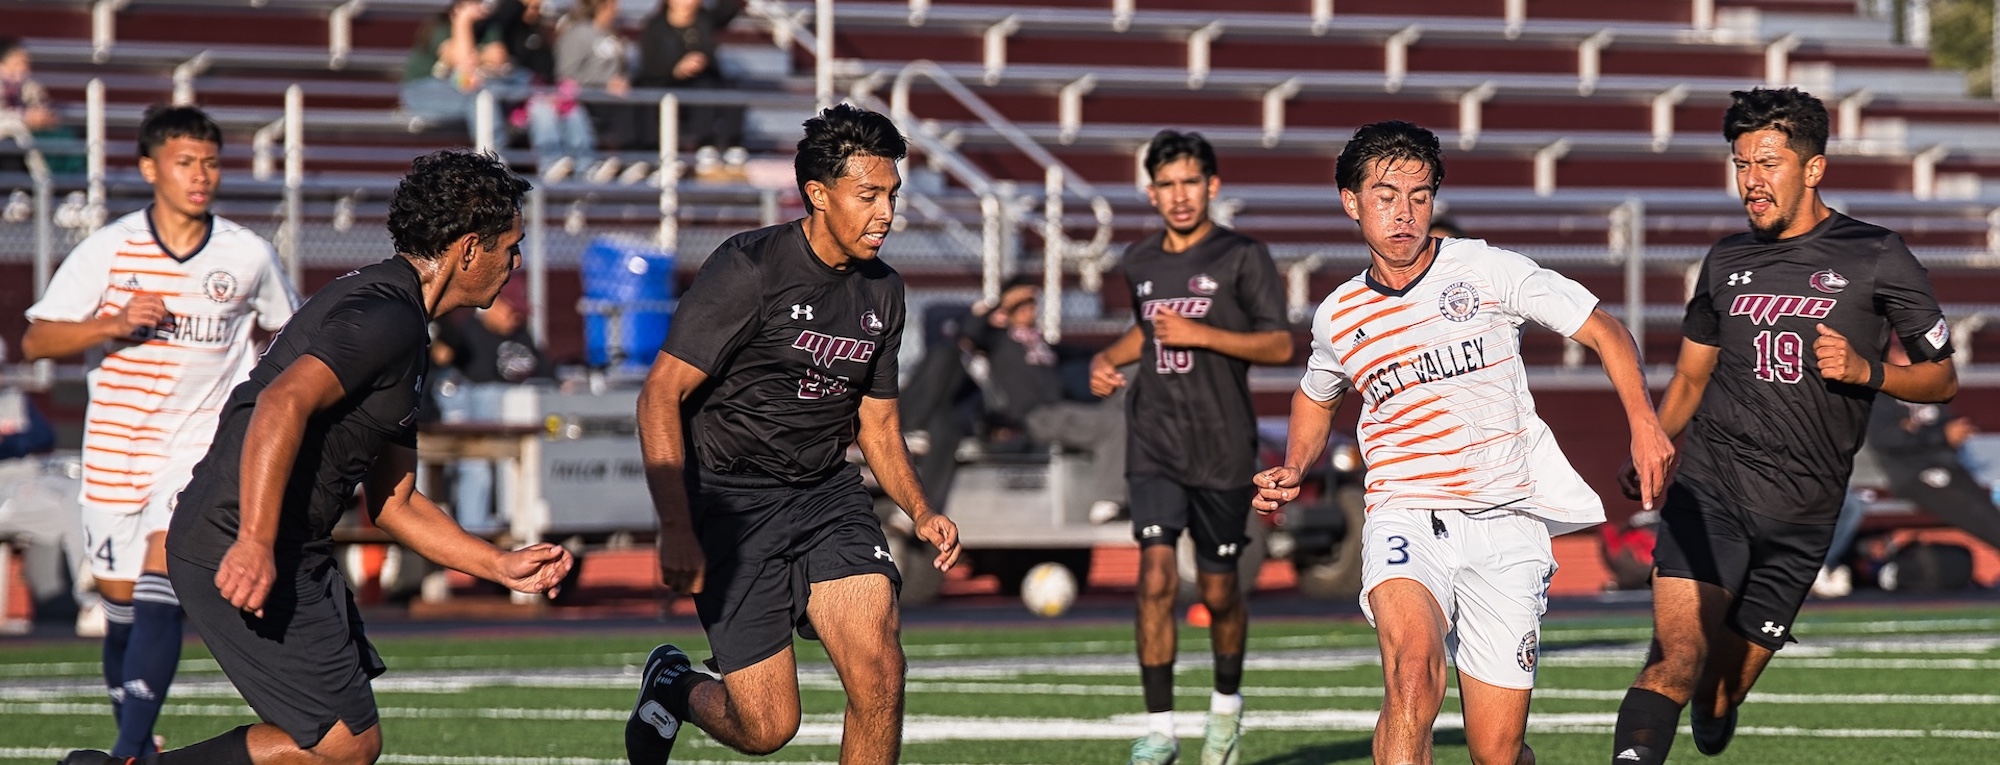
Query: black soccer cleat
[(650, 732), (1712, 734), (93, 757)]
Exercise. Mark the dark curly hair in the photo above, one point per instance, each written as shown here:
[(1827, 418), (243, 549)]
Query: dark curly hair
[(1391, 140), (839, 132), (1170, 146), (165, 123), (451, 193), (1793, 112)]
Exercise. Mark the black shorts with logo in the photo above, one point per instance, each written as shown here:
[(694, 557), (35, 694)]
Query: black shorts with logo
[(767, 543), (305, 664), (1216, 519), (1766, 564)]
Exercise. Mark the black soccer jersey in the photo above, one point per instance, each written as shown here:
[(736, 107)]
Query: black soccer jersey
[(369, 327), (1770, 432), (790, 345), (1190, 413)]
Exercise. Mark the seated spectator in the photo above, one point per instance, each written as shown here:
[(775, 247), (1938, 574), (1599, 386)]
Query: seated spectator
[(39, 510), (492, 352), (559, 130), (1026, 387), (25, 110), (591, 55), (451, 61), (677, 50)]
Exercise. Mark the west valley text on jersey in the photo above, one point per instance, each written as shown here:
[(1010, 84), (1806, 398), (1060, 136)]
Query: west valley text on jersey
[(1430, 365), (194, 330)]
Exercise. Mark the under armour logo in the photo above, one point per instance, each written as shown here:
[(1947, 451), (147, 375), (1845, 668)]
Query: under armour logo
[(1145, 288), (800, 311), (1740, 277), (1774, 630), (1224, 551), (883, 554)]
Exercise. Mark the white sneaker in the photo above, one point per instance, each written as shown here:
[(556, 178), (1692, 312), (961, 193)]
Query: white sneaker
[(1104, 511), (636, 173), (605, 171), (90, 620), (707, 162), (1833, 583), (736, 156), (556, 171)]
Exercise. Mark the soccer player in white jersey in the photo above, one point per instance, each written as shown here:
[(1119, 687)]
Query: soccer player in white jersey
[(163, 302), (1465, 483)]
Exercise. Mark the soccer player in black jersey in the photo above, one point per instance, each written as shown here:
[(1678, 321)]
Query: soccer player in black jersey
[(333, 404), (781, 355), (1784, 340), (1208, 304)]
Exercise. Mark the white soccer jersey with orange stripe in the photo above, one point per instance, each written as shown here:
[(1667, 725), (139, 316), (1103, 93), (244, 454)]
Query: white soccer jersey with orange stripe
[(153, 405), (1446, 418)]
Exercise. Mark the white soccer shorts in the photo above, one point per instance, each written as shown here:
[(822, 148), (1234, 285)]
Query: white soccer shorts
[(1489, 572), (115, 540)]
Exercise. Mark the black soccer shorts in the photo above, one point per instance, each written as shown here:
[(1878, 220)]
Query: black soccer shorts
[(1216, 519), (1766, 564)]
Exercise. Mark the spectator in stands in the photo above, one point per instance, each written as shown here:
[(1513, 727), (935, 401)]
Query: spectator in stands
[(677, 50), (39, 510), (939, 402), (1024, 382), (492, 352), (450, 62), (25, 110), (1918, 447), (591, 56), (1446, 228), (559, 129)]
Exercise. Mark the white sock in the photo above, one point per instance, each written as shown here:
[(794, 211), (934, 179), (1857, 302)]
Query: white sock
[(1225, 704), (1161, 723)]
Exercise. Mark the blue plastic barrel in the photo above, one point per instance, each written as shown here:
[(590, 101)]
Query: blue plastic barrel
[(628, 292)]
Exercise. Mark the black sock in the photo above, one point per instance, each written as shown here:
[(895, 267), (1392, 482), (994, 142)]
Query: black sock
[(1228, 673), (232, 748), (1645, 731), (1159, 684), (680, 692)]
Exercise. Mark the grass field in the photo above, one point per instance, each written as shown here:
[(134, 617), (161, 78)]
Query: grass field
[(1868, 686)]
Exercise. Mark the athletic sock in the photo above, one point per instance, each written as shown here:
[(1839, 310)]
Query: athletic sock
[(1645, 730), (679, 695), (232, 748), (150, 661), (1228, 673), (117, 637), (1225, 703), (1161, 723), (1159, 685)]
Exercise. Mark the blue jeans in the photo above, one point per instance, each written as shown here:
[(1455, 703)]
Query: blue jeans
[(554, 135), (472, 494), (440, 103)]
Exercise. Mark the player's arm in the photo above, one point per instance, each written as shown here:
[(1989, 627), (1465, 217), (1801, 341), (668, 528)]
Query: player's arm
[(1104, 375), (1652, 449), (881, 440), (46, 339), (1310, 426), (1264, 347), (1683, 396), (396, 507), (662, 447), (277, 425), (1921, 382)]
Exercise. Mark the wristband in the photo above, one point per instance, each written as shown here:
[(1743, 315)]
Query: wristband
[(1874, 375)]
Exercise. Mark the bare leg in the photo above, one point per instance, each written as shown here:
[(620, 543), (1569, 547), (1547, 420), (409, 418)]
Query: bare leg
[(857, 620), (1410, 628)]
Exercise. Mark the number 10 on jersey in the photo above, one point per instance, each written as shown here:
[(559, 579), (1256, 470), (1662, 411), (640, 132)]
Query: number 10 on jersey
[(1780, 356), (1172, 361)]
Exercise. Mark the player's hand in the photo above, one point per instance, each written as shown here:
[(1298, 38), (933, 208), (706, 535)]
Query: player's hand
[(1176, 331), (1651, 466), (535, 568), (246, 575), (1275, 487), (681, 561), (1837, 359), (1105, 379), (942, 534), (141, 314)]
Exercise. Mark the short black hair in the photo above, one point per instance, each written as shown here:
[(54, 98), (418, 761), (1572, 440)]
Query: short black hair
[(8, 45), (1390, 140), (165, 123), (839, 132), (1018, 281), (1797, 114), (450, 193), (1451, 227), (1170, 146)]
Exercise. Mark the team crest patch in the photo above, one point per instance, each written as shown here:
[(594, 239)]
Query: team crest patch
[(219, 286), (1829, 282), (1203, 284), (871, 323), (1529, 652), (1939, 335), (1459, 302)]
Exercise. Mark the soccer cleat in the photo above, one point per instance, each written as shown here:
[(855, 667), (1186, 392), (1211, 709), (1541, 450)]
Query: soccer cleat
[(93, 757), (1712, 734), (650, 732), (1156, 749), (1219, 741)]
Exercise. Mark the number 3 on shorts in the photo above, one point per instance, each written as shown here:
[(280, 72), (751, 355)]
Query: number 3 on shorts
[(1399, 550)]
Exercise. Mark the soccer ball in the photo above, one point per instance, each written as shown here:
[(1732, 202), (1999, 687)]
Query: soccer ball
[(1049, 589)]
